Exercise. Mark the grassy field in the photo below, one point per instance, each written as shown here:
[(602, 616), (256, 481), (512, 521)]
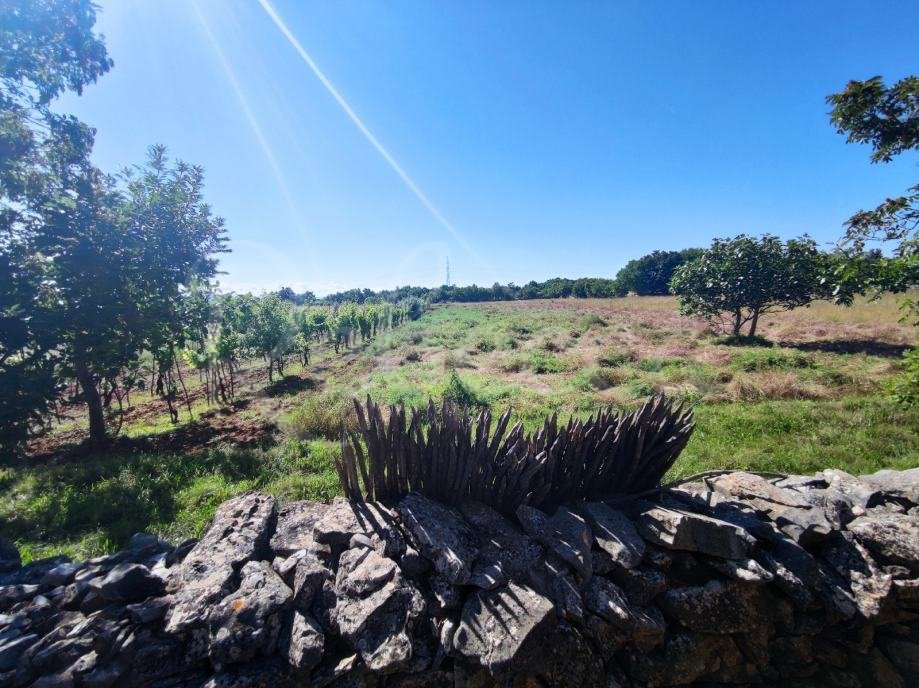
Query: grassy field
[(814, 398)]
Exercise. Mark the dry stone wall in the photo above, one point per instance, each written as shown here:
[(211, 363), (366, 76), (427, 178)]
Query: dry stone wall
[(735, 580)]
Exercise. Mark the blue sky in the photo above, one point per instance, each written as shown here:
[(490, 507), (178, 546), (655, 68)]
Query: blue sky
[(534, 139)]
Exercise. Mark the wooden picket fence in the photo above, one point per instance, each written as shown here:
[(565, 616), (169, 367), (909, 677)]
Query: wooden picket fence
[(450, 457)]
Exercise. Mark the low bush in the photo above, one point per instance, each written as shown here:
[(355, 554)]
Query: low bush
[(770, 359), (613, 358), (320, 415)]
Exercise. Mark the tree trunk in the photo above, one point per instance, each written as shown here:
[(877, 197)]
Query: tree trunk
[(736, 329), (752, 332), (93, 403)]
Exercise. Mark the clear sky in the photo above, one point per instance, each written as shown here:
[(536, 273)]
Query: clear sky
[(523, 139)]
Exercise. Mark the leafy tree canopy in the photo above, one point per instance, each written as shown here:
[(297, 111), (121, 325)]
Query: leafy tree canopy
[(744, 277), (651, 274)]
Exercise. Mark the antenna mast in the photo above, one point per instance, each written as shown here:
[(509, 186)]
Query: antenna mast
[(448, 271)]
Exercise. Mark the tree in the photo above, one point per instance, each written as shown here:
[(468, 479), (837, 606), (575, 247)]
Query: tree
[(651, 274), (46, 47), (273, 333), (886, 118), (746, 277)]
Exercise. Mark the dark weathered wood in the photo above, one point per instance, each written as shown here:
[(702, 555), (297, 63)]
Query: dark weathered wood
[(449, 455)]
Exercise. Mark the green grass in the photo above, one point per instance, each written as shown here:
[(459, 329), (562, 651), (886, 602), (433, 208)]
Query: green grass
[(775, 408), (94, 505)]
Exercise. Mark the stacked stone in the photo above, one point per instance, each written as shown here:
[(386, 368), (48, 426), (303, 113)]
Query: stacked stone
[(800, 581)]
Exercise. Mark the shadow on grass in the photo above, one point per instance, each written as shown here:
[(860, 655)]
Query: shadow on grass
[(289, 386), (850, 346), (112, 496)]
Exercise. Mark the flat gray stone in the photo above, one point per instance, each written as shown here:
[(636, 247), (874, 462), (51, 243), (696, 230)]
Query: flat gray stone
[(294, 530), (501, 628), (615, 534), (682, 530), (901, 484), (247, 623), (302, 642), (344, 519), (892, 537), (376, 609), (239, 533), (565, 533), (505, 551), (716, 607), (442, 536), (128, 583)]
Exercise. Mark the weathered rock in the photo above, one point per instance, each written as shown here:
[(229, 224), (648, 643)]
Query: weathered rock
[(716, 607), (442, 536), (750, 487), (847, 497), (33, 572), (247, 623), (684, 659), (682, 530), (12, 649), (13, 594), (150, 610), (302, 642), (565, 533), (295, 525), (501, 628), (615, 534), (900, 484), (128, 583), (748, 570), (641, 584), (304, 574), (376, 609), (870, 587), (892, 537), (62, 574), (343, 519), (505, 552), (605, 599), (144, 545), (239, 533), (553, 578)]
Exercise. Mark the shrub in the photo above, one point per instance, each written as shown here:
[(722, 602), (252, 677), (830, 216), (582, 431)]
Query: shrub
[(320, 415), (542, 362), (484, 345), (592, 320), (412, 356), (596, 377), (770, 359), (639, 388), (905, 388), (613, 358), (460, 393)]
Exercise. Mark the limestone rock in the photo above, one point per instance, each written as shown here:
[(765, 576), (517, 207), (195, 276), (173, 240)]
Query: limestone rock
[(748, 570), (892, 537), (247, 623), (565, 533), (504, 551), (302, 642), (716, 607), (501, 628), (239, 533), (376, 609), (128, 583), (681, 530), (615, 534), (442, 536), (605, 599), (295, 525), (344, 519), (684, 659), (870, 587), (902, 484)]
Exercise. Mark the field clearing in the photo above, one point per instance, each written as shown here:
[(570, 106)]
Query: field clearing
[(815, 398)]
